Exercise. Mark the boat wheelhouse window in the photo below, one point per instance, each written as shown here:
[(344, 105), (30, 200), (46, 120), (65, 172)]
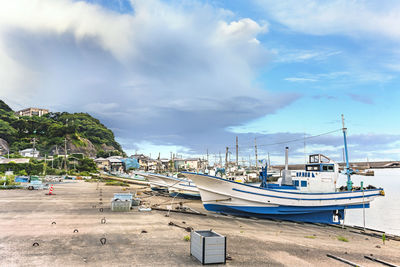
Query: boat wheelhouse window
[(296, 182), (327, 168), (314, 158), (312, 168), (303, 183)]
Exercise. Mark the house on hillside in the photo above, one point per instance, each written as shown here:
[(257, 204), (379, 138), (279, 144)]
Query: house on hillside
[(165, 164), (190, 164), (32, 112), (30, 153), (116, 164), (102, 164), (143, 160)]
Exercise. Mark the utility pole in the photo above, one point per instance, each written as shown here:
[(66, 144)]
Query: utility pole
[(269, 161), (255, 150), (34, 146), (226, 159), (220, 158), (207, 158), (45, 164), (237, 151), (65, 154)]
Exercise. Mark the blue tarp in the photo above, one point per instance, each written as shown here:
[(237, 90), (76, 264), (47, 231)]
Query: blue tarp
[(21, 179), (130, 163)]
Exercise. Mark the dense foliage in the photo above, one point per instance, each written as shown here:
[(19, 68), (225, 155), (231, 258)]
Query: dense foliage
[(56, 166), (51, 129)]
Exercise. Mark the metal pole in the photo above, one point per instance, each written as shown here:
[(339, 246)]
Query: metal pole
[(237, 151), (349, 182), (362, 188), (286, 159), (65, 153), (344, 217), (255, 150), (226, 159), (207, 157)]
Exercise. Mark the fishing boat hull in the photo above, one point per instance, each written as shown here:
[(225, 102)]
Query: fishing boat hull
[(224, 196), (175, 186)]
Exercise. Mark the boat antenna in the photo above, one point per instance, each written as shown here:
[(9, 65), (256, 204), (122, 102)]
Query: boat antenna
[(348, 171)]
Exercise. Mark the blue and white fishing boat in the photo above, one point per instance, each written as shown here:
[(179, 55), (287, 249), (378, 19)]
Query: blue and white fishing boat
[(309, 196), (175, 186)]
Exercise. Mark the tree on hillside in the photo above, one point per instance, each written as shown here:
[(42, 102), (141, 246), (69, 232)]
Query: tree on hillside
[(4, 106)]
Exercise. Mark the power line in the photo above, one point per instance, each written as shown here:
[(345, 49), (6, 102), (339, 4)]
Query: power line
[(293, 140)]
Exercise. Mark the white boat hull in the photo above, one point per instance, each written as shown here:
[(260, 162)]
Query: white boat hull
[(221, 195)]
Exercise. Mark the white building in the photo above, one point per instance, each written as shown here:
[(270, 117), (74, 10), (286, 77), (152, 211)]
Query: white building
[(32, 112), (30, 153)]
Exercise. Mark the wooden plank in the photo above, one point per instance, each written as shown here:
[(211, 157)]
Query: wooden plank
[(380, 261), (343, 260)]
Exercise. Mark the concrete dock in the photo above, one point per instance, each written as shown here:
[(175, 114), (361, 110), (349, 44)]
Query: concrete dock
[(146, 239)]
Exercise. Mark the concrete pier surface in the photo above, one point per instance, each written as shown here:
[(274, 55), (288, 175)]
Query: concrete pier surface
[(146, 239)]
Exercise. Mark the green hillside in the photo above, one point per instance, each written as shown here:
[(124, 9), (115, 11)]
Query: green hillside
[(83, 132)]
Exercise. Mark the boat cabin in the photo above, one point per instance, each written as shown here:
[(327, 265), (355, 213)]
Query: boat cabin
[(320, 175)]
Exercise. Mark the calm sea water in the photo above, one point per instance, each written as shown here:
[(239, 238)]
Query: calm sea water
[(384, 212)]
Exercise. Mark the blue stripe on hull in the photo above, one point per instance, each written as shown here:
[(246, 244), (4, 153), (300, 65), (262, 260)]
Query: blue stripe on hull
[(289, 213), (159, 189), (187, 196), (303, 198)]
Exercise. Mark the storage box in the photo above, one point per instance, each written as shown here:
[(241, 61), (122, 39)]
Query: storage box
[(123, 196), (208, 246), (136, 202), (120, 205)]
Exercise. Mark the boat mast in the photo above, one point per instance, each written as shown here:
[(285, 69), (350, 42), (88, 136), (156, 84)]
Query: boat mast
[(348, 173)]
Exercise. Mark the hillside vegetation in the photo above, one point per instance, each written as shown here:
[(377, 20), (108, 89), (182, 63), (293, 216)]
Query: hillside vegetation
[(84, 133)]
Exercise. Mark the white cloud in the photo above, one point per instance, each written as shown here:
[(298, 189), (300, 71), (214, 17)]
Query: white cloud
[(293, 79), (342, 77), (352, 18), (177, 71), (147, 148), (289, 56), (241, 30)]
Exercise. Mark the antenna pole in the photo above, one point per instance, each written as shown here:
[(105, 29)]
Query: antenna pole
[(65, 154), (237, 151), (207, 158), (226, 159), (348, 173), (255, 150)]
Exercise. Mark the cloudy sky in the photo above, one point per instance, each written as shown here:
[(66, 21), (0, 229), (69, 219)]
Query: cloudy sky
[(187, 76)]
